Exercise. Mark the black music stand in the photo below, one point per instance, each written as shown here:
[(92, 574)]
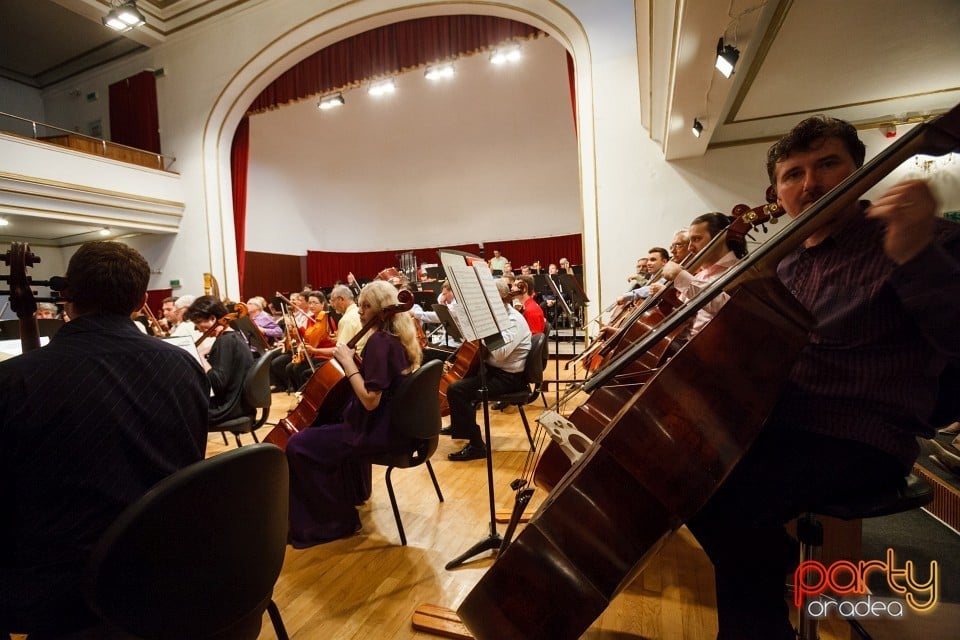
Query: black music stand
[(473, 309), (450, 328)]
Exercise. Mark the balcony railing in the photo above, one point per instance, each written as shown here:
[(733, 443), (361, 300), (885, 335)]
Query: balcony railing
[(77, 141)]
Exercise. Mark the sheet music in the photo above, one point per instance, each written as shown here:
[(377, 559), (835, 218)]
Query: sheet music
[(485, 275), (472, 297)]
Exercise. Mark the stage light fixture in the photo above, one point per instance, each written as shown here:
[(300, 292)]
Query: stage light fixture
[(697, 128), (727, 56), (503, 55), (331, 102), (439, 71), (123, 16), (382, 88)]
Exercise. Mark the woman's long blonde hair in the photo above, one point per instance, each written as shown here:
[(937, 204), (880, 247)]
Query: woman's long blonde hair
[(381, 294)]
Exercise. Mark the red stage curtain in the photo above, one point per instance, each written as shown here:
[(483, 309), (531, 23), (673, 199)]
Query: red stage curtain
[(388, 50), (239, 155), (324, 268), (155, 299), (546, 250), (134, 119), (268, 273)]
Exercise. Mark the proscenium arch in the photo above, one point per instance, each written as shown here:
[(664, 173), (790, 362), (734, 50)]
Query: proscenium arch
[(344, 21)]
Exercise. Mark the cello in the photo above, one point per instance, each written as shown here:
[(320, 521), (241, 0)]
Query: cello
[(327, 391), (664, 453), (19, 257)]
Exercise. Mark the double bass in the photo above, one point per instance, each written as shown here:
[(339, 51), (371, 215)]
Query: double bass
[(327, 391), (22, 300), (663, 453)]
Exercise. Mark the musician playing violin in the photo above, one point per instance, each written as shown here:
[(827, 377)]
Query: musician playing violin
[(226, 359), (656, 258), (883, 284), (327, 478), (89, 423)]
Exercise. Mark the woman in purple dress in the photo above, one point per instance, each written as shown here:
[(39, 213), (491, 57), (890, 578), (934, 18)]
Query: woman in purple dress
[(327, 477)]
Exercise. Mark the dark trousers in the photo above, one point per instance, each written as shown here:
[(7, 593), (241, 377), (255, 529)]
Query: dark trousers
[(741, 527), (464, 394)]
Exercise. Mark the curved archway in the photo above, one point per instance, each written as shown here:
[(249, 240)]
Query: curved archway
[(343, 22)]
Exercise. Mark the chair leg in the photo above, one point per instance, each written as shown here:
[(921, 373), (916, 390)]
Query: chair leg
[(396, 509), (277, 621), (237, 436), (254, 434), (526, 426), (224, 435), (436, 485)]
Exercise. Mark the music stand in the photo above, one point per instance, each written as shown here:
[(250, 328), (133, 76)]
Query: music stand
[(450, 328), (562, 304), (478, 298)]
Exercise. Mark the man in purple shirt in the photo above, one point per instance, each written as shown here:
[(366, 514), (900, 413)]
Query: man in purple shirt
[(882, 282)]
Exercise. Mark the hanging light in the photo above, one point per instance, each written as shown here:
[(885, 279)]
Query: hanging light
[(331, 102), (697, 128), (503, 55), (382, 88), (727, 57), (124, 16), (439, 71)]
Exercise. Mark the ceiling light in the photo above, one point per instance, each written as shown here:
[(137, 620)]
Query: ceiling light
[(697, 128), (124, 16), (104, 232), (4, 222), (383, 87), (727, 57), (439, 71), (331, 102), (504, 55)]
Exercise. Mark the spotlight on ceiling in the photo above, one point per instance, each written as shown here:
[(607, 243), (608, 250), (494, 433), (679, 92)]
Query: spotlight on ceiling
[(697, 128), (439, 71), (727, 57), (123, 16), (104, 232), (331, 102), (4, 222), (382, 88), (503, 55)]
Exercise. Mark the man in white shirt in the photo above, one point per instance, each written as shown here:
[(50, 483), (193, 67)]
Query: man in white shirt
[(504, 374)]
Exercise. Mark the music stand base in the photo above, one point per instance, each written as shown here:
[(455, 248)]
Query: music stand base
[(490, 543)]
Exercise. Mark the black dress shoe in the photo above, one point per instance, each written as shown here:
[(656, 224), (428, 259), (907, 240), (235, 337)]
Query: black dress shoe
[(446, 431), (469, 452)]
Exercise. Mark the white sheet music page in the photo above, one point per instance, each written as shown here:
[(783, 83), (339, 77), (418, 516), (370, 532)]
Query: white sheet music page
[(492, 294), (473, 298)]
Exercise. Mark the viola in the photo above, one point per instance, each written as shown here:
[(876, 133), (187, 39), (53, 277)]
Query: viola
[(327, 391), (239, 311), (662, 454)]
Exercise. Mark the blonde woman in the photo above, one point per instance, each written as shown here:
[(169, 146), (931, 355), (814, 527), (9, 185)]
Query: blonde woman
[(327, 477)]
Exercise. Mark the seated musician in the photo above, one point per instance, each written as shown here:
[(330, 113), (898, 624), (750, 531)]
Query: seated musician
[(183, 326), (45, 311), (881, 281), (226, 359), (89, 423), (680, 246), (531, 311), (349, 325), (504, 374), (656, 258), (720, 257), (639, 278), (318, 336), (256, 308), (327, 478)]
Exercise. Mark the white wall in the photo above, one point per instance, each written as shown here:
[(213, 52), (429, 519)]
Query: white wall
[(490, 154), (20, 100)]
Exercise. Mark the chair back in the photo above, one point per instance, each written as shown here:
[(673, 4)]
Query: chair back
[(256, 386), (199, 553), (415, 407), (536, 362), (546, 342)]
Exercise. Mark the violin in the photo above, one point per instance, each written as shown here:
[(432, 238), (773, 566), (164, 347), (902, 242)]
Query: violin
[(327, 391), (239, 311), (296, 309), (155, 325)]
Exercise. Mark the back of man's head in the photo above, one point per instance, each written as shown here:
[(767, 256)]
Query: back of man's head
[(107, 278)]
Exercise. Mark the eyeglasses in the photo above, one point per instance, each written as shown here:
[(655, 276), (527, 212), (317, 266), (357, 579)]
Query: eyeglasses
[(679, 244)]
